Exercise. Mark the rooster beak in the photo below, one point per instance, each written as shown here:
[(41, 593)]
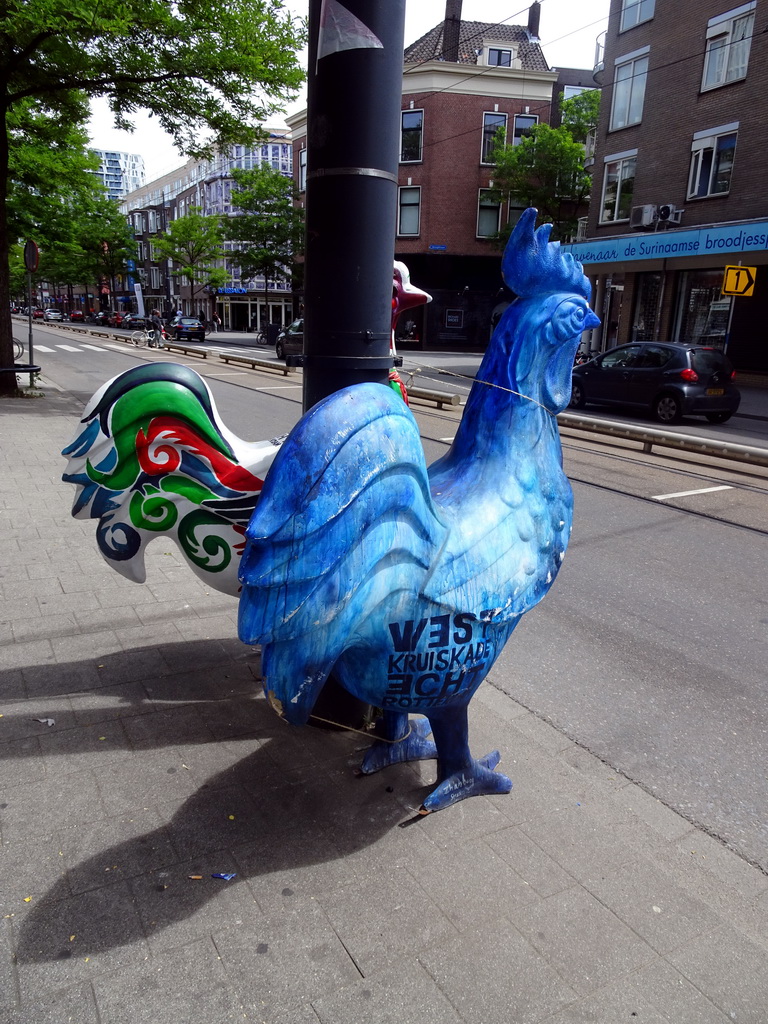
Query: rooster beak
[(591, 320), (275, 703)]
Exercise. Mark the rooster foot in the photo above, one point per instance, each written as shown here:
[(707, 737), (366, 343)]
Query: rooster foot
[(477, 779), (413, 745)]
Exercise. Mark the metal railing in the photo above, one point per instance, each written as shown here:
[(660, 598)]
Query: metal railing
[(650, 437)]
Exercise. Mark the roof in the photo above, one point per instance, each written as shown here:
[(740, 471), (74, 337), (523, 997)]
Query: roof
[(472, 33)]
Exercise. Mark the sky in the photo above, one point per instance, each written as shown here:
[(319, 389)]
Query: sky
[(568, 31)]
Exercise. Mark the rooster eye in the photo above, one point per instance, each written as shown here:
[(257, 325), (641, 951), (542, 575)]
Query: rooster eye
[(567, 320)]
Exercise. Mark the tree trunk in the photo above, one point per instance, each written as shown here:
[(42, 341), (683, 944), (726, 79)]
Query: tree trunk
[(7, 380)]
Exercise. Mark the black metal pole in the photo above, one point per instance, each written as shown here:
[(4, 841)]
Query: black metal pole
[(355, 81), (355, 77)]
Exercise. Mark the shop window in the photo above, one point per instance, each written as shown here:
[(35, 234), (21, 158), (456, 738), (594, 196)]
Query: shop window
[(633, 12), (702, 313), (712, 155), (488, 214), (411, 133), (409, 210), (492, 122), (647, 295), (618, 187), (729, 37), (629, 89)]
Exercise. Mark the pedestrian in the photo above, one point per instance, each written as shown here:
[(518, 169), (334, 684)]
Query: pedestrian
[(216, 321), (156, 329)]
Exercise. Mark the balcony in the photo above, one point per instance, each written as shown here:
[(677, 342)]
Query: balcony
[(599, 67)]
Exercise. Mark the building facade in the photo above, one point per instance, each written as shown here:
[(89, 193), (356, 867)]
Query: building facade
[(679, 171), (206, 185), (120, 173), (461, 83)]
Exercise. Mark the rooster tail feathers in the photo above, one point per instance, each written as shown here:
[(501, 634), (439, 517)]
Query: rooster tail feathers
[(153, 457)]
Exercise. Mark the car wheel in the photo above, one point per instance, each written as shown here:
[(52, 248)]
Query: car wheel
[(578, 398), (718, 417), (279, 350), (667, 408)]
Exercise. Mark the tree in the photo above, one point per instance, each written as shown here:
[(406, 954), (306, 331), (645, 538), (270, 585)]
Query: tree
[(269, 232), (195, 244), (545, 170), (579, 113), (209, 70)]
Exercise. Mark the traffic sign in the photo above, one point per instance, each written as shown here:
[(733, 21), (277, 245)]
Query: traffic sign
[(31, 256), (739, 281)]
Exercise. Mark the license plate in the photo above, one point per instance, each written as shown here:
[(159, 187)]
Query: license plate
[(715, 391)]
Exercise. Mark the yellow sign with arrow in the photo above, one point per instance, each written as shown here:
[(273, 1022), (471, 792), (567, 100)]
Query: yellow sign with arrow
[(739, 281)]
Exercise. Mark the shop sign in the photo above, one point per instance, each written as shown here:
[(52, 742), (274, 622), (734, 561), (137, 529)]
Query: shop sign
[(705, 241), (739, 281), (454, 318)]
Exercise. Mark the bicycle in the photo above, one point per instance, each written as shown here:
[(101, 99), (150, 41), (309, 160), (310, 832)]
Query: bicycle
[(140, 338), (18, 349), (261, 338)]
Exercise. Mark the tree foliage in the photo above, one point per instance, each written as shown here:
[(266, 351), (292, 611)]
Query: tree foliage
[(210, 71), (579, 114), (269, 231), (195, 244), (546, 170)]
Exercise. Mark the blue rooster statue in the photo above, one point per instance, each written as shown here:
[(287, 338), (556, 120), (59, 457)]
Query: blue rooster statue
[(407, 581)]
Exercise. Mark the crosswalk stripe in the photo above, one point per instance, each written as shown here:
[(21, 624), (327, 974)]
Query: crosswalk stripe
[(69, 348), (94, 348), (43, 348)]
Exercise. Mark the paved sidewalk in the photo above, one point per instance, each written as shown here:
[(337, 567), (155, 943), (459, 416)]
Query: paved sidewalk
[(138, 753)]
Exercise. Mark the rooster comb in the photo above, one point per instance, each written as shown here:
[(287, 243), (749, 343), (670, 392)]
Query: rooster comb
[(532, 265)]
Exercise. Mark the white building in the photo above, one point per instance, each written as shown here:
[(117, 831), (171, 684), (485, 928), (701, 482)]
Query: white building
[(120, 173)]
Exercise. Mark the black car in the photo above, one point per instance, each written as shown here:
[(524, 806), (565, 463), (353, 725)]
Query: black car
[(290, 340), (669, 379), (188, 327)]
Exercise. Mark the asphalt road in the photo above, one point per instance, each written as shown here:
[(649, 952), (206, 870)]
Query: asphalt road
[(651, 648)]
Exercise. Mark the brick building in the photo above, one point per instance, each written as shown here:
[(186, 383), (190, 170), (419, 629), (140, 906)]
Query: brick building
[(679, 175), (461, 82)]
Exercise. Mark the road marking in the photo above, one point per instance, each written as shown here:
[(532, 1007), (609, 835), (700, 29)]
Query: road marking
[(68, 348), (44, 348), (94, 348), (684, 494)]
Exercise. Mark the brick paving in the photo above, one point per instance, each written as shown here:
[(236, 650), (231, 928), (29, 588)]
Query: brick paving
[(577, 898)]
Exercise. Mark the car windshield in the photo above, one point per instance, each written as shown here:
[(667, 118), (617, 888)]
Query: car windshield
[(189, 320), (710, 360)]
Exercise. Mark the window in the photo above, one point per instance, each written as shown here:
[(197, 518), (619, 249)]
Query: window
[(618, 187), (633, 12), (412, 127), (629, 90), (488, 214), (491, 124), (729, 37), (302, 170), (523, 125), (499, 58), (409, 210), (712, 156)]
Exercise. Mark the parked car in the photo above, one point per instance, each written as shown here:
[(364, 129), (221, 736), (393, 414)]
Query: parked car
[(52, 314), (38, 314), (101, 319), (189, 328), (290, 340), (133, 322), (76, 315), (115, 319), (669, 379)]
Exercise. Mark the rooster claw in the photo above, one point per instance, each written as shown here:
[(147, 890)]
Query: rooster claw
[(414, 746), (478, 779)]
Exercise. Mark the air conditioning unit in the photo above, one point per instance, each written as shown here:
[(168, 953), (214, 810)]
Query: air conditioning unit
[(669, 214), (642, 216)]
